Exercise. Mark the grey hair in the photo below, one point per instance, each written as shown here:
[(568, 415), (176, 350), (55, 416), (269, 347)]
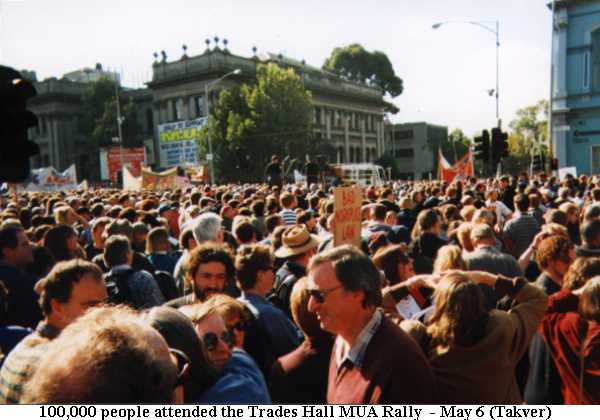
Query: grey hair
[(354, 270), (206, 227), (482, 232)]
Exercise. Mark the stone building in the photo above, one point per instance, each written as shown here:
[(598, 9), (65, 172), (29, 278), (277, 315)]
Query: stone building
[(348, 114)]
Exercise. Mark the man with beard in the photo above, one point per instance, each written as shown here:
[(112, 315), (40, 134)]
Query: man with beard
[(209, 270)]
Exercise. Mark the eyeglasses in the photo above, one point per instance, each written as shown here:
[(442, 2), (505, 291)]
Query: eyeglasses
[(184, 367), (211, 340), (320, 295)]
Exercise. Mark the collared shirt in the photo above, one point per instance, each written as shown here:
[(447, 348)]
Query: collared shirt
[(21, 363), (356, 353)]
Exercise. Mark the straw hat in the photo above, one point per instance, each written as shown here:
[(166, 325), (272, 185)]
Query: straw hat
[(296, 240)]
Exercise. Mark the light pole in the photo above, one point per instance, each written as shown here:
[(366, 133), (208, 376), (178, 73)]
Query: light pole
[(207, 88), (119, 122), (496, 32)]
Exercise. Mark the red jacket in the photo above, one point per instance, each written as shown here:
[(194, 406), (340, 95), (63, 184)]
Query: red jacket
[(566, 334)]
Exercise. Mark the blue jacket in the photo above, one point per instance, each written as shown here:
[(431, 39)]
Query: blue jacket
[(271, 334), (241, 382), (164, 262)]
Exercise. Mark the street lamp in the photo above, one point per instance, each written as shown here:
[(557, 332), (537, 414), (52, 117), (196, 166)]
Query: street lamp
[(496, 32), (207, 88)]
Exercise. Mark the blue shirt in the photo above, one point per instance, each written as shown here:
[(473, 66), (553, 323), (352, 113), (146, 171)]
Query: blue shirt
[(11, 336), (241, 382)]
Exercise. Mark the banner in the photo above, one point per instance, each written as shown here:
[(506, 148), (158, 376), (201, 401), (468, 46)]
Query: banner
[(159, 180), (49, 179), (133, 159), (347, 221), (130, 182), (177, 142), (462, 169)]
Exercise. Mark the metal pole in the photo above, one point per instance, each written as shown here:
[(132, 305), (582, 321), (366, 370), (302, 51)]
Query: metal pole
[(119, 122), (211, 162), (551, 150), (498, 73)]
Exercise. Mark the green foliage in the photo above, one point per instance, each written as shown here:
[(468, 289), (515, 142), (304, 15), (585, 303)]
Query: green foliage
[(98, 121), (455, 146), (529, 135), (250, 123), (386, 160), (360, 65)]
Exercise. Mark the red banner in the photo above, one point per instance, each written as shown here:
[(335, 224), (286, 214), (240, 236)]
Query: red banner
[(133, 159), (463, 168)]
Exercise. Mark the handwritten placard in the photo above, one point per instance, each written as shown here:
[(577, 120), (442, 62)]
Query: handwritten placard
[(347, 223)]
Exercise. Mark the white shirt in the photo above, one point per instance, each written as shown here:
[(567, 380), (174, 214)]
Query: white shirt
[(502, 212)]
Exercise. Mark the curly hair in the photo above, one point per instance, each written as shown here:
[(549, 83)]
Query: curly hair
[(251, 259), (206, 253), (580, 272)]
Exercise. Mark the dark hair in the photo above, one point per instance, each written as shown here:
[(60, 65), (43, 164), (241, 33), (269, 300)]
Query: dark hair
[(184, 238), (272, 221), (155, 237), (244, 232), (119, 227), (3, 302), (589, 301), (55, 239), (379, 211), (387, 260), (8, 238), (116, 249), (303, 216), (522, 202), (210, 252), (178, 331), (557, 216), (59, 282), (258, 208), (43, 261), (590, 231), (354, 270), (251, 259)]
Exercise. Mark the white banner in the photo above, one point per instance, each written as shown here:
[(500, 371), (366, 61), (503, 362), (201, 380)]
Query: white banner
[(49, 179)]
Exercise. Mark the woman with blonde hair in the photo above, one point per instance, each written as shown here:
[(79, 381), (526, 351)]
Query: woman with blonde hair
[(449, 257), (473, 352)]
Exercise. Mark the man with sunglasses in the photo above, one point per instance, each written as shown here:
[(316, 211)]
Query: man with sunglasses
[(373, 361)]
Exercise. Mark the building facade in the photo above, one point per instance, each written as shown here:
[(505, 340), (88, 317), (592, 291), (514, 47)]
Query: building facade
[(415, 147), (575, 118), (347, 114)]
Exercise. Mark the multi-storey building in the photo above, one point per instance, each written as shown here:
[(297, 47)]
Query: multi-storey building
[(576, 84), (415, 147)]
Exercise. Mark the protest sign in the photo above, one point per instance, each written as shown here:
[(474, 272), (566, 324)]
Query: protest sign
[(347, 221)]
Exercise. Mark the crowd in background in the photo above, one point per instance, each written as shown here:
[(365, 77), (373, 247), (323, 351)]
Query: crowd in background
[(482, 291)]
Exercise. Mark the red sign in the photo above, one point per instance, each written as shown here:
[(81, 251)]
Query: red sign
[(133, 159)]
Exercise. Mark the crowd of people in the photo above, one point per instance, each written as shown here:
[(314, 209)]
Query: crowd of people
[(481, 291)]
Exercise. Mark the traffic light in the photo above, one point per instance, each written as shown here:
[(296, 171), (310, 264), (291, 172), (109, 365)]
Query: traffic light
[(15, 119), (499, 145), (482, 147), (554, 164), (539, 163)]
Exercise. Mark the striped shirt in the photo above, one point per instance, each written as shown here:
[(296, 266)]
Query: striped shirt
[(288, 216), (356, 353), (521, 230), (21, 363)]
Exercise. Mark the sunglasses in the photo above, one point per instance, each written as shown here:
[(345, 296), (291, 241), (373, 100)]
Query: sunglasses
[(184, 367), (211, 340), (320, 295)]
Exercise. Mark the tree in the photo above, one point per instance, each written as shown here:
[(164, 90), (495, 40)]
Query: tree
[(250, 123), (98, 121), (529, 135), (360, 65), (456, 145)]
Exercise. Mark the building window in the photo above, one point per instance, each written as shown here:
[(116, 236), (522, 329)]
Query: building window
[(404, 153), (403, 135), (317, 115), (199, 105), (596, 60), (586, 70), (149, 120), (179, 109)]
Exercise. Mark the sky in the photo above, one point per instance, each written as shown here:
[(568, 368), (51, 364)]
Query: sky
[(446, 72)]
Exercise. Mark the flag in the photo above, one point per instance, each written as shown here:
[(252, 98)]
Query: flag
[(462, 169)]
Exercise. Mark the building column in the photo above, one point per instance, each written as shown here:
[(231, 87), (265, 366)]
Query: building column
[(559, 87), (363, 133)]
